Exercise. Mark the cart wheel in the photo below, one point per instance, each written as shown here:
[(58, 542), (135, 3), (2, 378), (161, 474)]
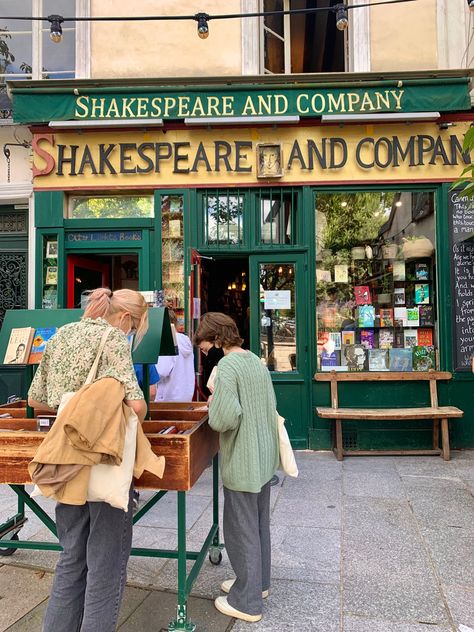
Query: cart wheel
[(215, 557), (9, 551)]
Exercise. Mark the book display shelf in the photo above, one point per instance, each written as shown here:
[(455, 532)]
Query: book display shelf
[(188, 444), (379, 316)]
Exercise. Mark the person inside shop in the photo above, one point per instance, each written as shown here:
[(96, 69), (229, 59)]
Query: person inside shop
[(95, 537), (153, 378), (177, 378), (243, 410)]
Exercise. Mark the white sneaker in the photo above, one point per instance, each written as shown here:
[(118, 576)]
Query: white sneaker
[(222, 605), (228, 583)]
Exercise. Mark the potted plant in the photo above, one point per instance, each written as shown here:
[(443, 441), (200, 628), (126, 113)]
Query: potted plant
[(417, 246), (385, 297), (389, 250), (358, 252)]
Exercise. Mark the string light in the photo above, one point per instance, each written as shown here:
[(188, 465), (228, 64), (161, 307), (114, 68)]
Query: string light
[(470, 4), (340, 10), (56, 33)]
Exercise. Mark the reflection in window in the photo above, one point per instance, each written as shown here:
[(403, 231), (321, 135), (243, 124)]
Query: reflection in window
[(107, 207), (26, 50), (172, 254), (224, 217), (375, 281), (277, 216), (277, 316)]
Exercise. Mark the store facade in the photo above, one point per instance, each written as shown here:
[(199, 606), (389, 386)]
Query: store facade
[(325, 226)]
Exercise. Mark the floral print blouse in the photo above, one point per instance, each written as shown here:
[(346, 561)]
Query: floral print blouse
[(69, 356)]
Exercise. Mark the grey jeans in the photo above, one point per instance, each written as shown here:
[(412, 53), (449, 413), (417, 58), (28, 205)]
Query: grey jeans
[(247, 542), (92, 569)]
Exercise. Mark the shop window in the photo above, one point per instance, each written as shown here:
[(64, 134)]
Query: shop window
[(306, 42), (172, 254), (223, 217), (111, 207), (26, 50), (277, 216), (375, 281), (50, 272)]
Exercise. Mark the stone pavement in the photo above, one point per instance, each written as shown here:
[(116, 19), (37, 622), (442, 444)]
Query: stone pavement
[(372, 544)]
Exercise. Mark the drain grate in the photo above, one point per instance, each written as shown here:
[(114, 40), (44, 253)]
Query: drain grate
[(350, 440)]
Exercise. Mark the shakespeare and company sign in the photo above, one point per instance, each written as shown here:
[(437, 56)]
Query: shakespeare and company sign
[(230, 157), (34, 105)]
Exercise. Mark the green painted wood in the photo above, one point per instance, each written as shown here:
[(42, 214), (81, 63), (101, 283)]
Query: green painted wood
[(49, 209), (157, 341)]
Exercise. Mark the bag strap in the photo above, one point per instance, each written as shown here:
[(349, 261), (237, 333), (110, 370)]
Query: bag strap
[(94, 367)]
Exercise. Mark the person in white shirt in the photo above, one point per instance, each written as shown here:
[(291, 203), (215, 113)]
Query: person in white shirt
[(177, 379)]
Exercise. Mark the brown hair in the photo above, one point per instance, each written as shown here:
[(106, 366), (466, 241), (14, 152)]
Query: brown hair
[(219, 329), (172, 316), (102, 303)]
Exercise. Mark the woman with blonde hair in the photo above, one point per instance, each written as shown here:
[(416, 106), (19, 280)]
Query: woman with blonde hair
[(96, 538), (243, 411)]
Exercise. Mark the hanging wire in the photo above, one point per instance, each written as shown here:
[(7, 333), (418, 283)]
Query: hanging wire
[(198, 16)]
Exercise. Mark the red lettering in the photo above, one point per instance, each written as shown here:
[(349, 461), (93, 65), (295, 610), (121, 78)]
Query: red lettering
[(42, 153)]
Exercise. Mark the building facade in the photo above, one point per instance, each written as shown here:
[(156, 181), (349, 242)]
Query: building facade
[(298, 204)]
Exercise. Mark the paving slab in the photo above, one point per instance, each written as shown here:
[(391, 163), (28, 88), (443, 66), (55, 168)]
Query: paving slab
[(351, 624), (20, 591), (461, 603)]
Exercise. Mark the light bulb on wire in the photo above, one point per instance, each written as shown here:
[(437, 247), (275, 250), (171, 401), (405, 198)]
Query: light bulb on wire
[(342, 21), (203, 27), (470, 4), (56, 32)]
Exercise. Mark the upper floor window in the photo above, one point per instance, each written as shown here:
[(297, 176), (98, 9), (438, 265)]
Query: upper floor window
[(305, 42), (26, 50)]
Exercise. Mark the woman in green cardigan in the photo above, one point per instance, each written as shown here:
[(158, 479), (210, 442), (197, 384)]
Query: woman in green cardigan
[(243, 410)]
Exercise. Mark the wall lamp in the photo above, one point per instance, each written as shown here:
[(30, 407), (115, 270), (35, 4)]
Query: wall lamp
[(155, 122), (240, 120), (380, 117)]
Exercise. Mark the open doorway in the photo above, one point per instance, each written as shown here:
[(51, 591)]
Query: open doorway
[(225, 288), (89, 271)]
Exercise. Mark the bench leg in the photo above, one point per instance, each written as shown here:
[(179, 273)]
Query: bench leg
[(445, 439), (338, 450), (435, 434)]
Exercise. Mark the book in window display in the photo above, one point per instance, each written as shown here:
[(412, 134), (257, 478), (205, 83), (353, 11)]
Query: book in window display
[(422, 293), (367, 338), (335, 337), (341, 273), (19, 345), (400, 360), (362, 295), (400, 316), (366, 316), (378, 359), (398, 270), (424, 358), (413, 317), (51, 275), (385, 339), (425, 337), (398, 339), (356, 357), (410, 337), (422, 272), (386, 317), (399, 296), (328, 360), (426, 315), (348, 337), (41, 338)]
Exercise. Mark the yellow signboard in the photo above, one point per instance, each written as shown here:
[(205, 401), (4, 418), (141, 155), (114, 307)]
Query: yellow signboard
[(247, 156)]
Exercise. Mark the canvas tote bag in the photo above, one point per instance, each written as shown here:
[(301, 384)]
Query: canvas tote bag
[(287, 456), (109, 483)]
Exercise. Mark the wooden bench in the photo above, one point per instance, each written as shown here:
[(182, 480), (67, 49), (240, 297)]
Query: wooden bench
[(436, 413)]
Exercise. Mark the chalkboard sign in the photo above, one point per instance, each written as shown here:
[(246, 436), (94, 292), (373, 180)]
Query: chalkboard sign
[(461, 214)]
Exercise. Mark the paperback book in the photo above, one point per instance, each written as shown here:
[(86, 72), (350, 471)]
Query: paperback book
[(385, 339), (366, 316), (41, 337), (51, 275), (399, 296), (335, 336), (378, 360), (400, 316), (413, 317), (425, 337), (401, 360), (410, 337), (426, 315), (421, 272), (19, 345), (356, 357), (362, 295), (386, 317), (398, 339), (424, 358), (367, 338), (328, 360), (422, 293), (398, 269), (341, 273), (348, 337)]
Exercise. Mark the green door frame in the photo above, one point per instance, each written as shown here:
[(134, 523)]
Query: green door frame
[(289, 402)]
